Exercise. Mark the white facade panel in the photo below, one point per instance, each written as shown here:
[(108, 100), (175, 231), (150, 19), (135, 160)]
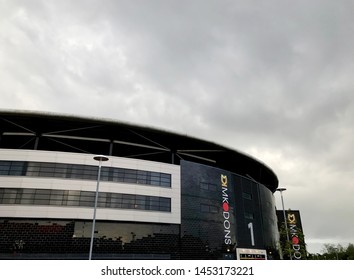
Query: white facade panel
[(66, 212)]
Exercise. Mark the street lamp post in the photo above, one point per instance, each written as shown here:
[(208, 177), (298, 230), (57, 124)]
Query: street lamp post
[(286, 224), (99, 158)]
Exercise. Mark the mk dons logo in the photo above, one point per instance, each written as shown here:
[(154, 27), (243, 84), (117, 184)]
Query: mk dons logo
[(295, 240), (225, 209)]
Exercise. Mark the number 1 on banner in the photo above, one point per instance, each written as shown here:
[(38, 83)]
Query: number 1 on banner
[(250, 227)]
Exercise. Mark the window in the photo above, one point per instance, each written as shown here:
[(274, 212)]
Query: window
[(207, 186), (249, 215), (83, 199), (247, 196), (5, 167), (84, 172), (205, 208), (9, 196)]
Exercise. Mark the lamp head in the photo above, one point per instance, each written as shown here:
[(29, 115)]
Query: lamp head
[(100, 158)]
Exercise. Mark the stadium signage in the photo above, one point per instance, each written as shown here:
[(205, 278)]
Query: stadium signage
[(294, 232), (225, 209)]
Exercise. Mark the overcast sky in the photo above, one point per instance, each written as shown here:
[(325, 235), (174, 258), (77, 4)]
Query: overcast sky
[(273, 79)]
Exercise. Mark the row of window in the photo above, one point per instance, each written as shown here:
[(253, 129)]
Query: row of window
[(83, 199), (84, 172), (206, 208), (208, 186), (213, 187)]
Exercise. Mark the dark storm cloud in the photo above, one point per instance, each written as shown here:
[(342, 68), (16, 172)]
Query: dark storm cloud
[(271, 78)]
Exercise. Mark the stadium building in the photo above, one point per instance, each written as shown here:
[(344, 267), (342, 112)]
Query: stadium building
[(162, 195)]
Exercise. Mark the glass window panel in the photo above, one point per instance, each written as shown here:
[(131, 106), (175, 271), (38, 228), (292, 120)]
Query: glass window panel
[(10, 193), (87, 193), (27, 201), (140, 197), (126, 205), (204, 208), (5, 167), (165, 180), (87, 203), (73, 203), (102, 196), (47, 167), (164, 199), (46, 174), (87, 199), (165, 176), (213, 209), (130, 176), (117, 196), (118, 175), (142, 177), (32, 169), (247, 196), (73, 193), (204, 186), (38, 201), (141, 203), (77, 171), (57, 197), (105, 174), (249, 215), (1, 194), (127, 197), (165, 184), (42, 196), (115, 203), (89, 175), (17, 168), (165, 204), (154, 203), (28, 194), (42, 192), (154, 198), (138, 206), (155, 178), (60, 170), (165, 209), (55, 202), (154, 207)]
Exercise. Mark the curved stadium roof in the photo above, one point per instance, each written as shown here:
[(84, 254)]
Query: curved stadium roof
[(67, 133)]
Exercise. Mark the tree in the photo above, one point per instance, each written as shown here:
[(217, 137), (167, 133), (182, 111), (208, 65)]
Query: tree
[(296, 246), (350, 252), (336, 252)]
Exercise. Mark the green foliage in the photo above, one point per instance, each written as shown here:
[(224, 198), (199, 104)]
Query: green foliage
[(335, 252), (288, 248)]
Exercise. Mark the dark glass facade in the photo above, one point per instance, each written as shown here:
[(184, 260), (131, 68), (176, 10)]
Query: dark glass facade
[(255, 216), (208, 229), (248, 219)]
